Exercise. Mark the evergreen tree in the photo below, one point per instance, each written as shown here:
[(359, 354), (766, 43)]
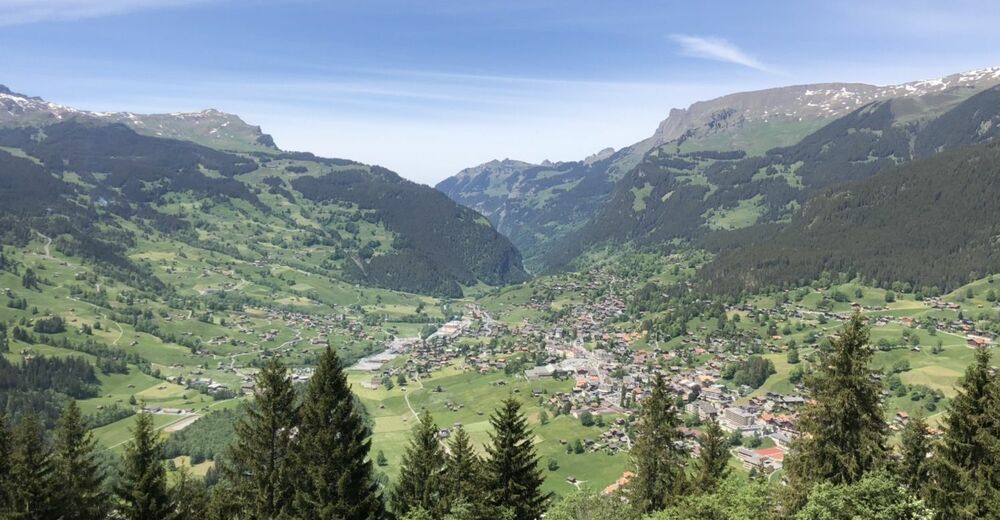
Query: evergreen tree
[(332, 453), (964, 468), (913, 466), (259, 462), (142, 488), (844, 431), (29, 280), (513, 476), (735, 498), (793, 355), (989, 481), (223, 503), (876, 496), (712, 465), (463, 472), (657, 454), (78, 474), (420, 484), (6, 484), (31, 478), (189, 496), (585, 506)]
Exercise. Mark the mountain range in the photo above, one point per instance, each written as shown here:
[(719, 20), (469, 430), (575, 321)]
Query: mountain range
[(549, 209), (733, 174), (209, 127), (99, 184), (775, 184)]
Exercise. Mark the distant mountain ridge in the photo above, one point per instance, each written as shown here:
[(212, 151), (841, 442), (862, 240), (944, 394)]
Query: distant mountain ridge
[(538, 205), (99, 184), (799, 103), (535, 204), (693, 195), (209, 127), (542, 208)]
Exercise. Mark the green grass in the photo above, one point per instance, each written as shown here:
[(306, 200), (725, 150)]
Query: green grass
[(478, 395), (639, 197), (116, 435), (286, 281), (756, 138), (744, 214)]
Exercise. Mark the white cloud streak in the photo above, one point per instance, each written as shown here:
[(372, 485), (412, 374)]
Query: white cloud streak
[(717, 49), (18, 12)]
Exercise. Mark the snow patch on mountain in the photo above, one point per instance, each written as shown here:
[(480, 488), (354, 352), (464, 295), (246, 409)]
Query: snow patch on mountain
[(804, 102), (210, 127)]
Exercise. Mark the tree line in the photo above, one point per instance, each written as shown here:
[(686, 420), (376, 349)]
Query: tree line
[(309, 458), (926, 223), (841, 466), (292, 458)]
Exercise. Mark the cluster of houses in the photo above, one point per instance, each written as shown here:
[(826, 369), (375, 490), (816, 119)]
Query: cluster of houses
[(614, 377)]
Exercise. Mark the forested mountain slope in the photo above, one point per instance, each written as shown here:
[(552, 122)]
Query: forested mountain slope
[(538, 205), (700, 195), (932, 222), (96, 187), (535, 204)]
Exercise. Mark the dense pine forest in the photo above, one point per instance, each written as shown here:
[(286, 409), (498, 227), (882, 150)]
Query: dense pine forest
[(929, 223)]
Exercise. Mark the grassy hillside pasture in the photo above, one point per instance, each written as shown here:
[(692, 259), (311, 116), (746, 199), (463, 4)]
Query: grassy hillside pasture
[(477, 396)]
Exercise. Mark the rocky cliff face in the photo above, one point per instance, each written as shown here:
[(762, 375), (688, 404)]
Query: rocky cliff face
[(805, 103)]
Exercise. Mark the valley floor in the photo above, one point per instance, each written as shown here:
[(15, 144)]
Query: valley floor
[(578, 350)]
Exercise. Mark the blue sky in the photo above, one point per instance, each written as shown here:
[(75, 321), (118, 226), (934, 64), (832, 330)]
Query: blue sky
[(427, 88)]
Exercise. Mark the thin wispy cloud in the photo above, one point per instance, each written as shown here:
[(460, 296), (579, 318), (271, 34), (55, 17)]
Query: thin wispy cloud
[(17, 12), (718, 49)]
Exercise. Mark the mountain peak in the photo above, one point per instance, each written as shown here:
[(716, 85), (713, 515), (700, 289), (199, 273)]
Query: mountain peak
[(495, 166), (805, 104), (599, 156), (210, 127)]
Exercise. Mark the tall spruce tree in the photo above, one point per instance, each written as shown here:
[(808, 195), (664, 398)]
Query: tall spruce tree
[(79, 478), (843, 431), (914, 468), (259, 465), (332, 451), (989, 481), (189, 496), (712, 466), (657, 454), (6, 484), (964, 468), (223, 503), (421, 484), (513, 477), (142, 487), (31, 475), (463, 472)]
